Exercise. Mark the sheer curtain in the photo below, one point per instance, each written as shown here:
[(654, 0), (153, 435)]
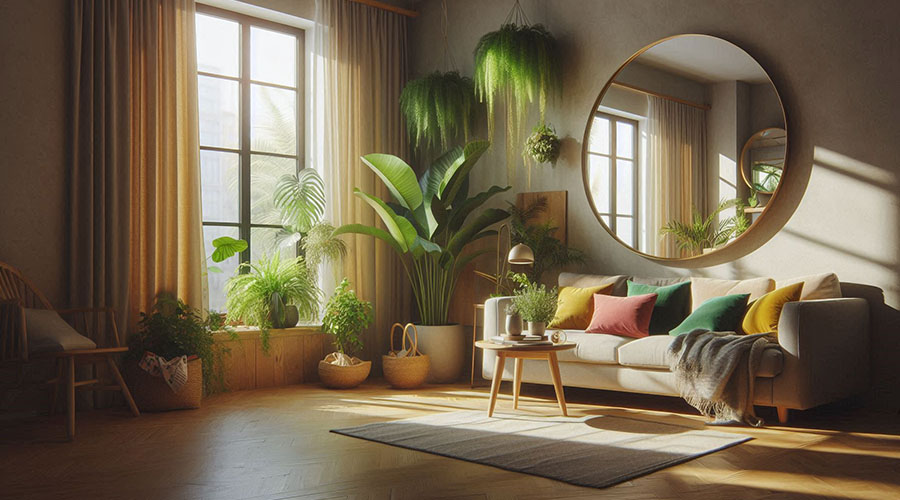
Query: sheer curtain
[(677, 168), (359, 68), (135, 174)]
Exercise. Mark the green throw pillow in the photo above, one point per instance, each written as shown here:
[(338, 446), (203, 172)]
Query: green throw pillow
[(673, 304), (718, 314)]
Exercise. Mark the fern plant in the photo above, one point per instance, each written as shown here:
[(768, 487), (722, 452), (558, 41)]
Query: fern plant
[(549, 252), (439, 108), (253, 296), (518, 63), (706, 232)]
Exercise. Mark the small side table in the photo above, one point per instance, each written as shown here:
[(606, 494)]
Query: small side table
[(519, 353)]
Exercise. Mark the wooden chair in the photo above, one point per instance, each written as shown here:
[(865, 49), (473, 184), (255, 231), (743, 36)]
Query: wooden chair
[(98, 324)]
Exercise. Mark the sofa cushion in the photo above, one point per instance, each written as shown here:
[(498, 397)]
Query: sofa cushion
[(628, 316), (595, 348), (764, 312), (650, 352), (673, 304), (718, 314), (659, 281), (589, 280), (48, 332), (816, 286), (576, 306), (703, 289)]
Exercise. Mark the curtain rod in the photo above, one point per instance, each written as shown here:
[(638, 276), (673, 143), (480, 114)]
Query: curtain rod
[(664, 96), (388, 7)]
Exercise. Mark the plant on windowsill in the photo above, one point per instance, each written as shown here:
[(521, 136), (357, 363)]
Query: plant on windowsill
[(429, 224), (273, 293), (535, 303), (345, 317), (170, 330)]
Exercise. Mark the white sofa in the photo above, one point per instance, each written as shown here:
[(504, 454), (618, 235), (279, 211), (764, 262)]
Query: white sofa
[(824, 353)]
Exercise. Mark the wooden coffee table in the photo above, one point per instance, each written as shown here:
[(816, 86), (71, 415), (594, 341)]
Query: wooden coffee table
[(520, 353)]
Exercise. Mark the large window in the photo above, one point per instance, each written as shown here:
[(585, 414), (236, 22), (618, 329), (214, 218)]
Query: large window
[(613, 173), (250, 78)]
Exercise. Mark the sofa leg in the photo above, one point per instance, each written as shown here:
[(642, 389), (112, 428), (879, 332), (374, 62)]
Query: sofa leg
[(782, 414)]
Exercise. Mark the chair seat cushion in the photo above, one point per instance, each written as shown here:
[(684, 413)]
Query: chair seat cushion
[(650, 352), (597, 348), (48, 332)]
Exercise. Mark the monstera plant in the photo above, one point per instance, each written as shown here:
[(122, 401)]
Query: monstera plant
[(430, 221)]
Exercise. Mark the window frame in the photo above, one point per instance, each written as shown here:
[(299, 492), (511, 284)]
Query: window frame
[(245, 82), (635, 161)]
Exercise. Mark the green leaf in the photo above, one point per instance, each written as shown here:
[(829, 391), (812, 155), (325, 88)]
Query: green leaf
[(214, 269), (458, 173), (401, 229), (370, 231), (225, 247), (467, 233), (301, 199), (399, 178), (459, 215)]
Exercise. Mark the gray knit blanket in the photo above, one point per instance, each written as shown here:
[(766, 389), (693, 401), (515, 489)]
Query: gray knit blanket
[(715, 372)]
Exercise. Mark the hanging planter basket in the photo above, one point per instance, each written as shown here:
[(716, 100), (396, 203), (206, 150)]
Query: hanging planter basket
[(543, 145), (406, 368)]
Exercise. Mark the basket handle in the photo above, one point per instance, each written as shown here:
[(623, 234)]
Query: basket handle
[(413, 340), (402, 332)]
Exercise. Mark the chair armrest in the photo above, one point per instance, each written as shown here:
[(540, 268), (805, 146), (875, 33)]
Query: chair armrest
[(826, 351)]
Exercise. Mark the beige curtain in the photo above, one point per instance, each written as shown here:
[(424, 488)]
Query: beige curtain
[(677, 169), (135, 200), (359, 69)]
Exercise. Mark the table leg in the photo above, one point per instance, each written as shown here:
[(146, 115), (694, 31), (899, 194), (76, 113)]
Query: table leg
[(517, 382), (495, 384), (557, 382), (70, 396)]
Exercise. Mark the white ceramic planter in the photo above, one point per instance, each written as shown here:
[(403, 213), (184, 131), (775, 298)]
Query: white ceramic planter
[(445, 345)]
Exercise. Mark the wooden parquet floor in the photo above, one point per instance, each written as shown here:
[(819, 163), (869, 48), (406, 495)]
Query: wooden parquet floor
[(275, 444)]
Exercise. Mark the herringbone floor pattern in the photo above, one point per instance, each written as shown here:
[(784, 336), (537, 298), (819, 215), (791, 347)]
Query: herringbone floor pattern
[(275, 444)]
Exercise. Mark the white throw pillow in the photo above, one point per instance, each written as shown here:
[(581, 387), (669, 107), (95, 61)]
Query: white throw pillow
[(703, 289), (48, 332), (816, 286)]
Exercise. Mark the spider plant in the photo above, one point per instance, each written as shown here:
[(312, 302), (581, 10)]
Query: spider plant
[(700, 232), (258, 296), (439, 108)]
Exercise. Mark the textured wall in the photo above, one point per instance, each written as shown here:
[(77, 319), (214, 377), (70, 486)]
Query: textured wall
[(33, 189), (834, 64)]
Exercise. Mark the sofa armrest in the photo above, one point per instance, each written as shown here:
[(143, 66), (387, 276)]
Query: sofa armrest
[(495, 316), (826, 351)]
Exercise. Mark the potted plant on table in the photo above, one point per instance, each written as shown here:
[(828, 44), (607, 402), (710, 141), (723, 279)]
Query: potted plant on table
[(270, 291), (535, 303), (429, 223), (345, 317), (174, 334)]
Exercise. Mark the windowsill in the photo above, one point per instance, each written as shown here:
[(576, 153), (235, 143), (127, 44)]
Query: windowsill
[(252, 332)]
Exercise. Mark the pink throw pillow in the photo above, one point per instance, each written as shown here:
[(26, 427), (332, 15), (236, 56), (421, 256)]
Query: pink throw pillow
[(626, 316)]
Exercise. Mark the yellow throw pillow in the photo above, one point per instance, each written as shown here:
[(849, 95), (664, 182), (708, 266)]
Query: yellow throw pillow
[(576, 307), (764, 312)]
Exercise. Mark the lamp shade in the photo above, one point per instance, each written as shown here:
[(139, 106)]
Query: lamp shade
[(520, 254)]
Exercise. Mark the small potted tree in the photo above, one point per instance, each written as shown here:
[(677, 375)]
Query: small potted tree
[(535, 303), (345, 317), (172, 334)]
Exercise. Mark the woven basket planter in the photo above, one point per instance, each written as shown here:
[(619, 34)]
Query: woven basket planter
[(408, 368), (343, 377), (153, 394)]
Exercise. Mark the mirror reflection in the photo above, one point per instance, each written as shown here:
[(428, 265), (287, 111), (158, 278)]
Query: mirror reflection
[(664, 146)]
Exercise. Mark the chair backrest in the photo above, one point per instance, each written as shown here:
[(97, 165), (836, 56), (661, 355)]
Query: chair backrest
[(14, 286)]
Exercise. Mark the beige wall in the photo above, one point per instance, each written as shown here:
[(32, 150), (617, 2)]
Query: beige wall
[(33, 189), (834, 65)]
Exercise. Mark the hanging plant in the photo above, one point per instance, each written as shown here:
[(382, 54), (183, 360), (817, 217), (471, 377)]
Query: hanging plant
[(543, 145), (519, 63), (438, 109)]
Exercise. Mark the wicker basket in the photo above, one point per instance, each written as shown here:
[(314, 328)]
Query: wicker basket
[(153, 394), (409, 370), (343, 377)]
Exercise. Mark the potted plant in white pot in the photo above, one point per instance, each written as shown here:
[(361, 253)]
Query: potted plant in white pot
[(345, 317), (430, 223), (535, 303)]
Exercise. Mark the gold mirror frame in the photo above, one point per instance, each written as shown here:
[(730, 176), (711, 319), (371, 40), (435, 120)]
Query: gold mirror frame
[(587, 133), (745, 151)]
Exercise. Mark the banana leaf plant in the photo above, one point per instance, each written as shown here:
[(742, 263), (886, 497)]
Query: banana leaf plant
[(431, 221)]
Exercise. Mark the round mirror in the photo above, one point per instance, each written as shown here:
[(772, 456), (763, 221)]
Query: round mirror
[(762, 160), (667, 139)]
